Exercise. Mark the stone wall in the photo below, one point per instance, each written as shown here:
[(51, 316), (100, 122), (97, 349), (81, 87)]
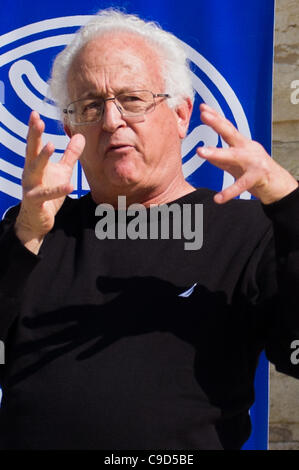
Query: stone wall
[(284, 391), (286, 71)]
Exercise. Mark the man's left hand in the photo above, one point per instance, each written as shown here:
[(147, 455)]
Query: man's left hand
[(247, 161)]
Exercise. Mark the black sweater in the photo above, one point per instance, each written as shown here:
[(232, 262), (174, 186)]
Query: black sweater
[(102, 351)]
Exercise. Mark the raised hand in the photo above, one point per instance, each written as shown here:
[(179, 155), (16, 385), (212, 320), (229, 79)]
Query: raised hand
[(247, 161), (45, 184)]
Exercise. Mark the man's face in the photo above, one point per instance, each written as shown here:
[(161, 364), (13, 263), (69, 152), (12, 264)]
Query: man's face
[(123, 155)]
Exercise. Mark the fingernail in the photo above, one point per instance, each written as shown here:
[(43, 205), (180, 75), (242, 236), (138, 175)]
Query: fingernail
[(205, 151), (207, 114), (219, 197), (208, 108)]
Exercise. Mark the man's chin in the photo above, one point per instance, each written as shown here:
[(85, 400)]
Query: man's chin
[(123, 174), (123, 181)]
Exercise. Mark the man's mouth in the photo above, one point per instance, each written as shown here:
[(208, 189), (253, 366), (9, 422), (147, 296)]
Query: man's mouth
[(119, 147)]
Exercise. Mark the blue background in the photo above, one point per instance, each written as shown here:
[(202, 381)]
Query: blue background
[(236, 37)]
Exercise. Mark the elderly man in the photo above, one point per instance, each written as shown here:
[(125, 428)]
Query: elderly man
[(140, 344)]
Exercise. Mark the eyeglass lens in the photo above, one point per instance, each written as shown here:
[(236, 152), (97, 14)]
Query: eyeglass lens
[(130, 104)]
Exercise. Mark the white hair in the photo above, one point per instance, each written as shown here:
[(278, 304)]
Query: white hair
[(176, 72)]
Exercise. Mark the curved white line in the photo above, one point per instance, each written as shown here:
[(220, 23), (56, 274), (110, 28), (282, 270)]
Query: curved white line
[(202, 133), (24, 67), (192, 164), (11, 169), (79, 20), (209, 137), (205, 93), (3, 217), (208, 98), (10, 188), (12, 143), (16, 72), (17, 146), (190, 141), (19, 128), (41, 26), (223, 87), (231, 99), (34, 46)]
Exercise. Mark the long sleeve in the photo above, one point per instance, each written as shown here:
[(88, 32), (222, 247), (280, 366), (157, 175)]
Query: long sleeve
[(16, 264), (284, 314)]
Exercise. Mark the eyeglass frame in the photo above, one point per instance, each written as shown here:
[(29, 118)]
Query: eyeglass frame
[(155, 95)]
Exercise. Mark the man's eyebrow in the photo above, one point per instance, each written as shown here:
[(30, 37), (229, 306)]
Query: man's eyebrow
[(95, 94), (90, 94)]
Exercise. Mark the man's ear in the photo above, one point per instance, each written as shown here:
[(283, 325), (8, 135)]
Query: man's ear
[(183, 113)]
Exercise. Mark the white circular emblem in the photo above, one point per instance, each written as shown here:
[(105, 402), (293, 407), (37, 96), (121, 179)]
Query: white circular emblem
[(22, 76)]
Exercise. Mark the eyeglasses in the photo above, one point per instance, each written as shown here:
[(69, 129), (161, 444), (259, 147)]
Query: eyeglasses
[(129, 104)]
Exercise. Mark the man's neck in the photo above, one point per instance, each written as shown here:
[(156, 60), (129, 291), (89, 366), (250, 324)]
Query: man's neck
[(145, 196)]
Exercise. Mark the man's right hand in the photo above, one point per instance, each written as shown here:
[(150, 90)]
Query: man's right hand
[(45, 184)]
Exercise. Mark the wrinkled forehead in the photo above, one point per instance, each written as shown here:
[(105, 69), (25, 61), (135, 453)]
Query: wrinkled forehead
[(116, 59)]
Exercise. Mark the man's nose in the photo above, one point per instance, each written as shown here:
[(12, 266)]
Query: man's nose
[(112, 118)]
